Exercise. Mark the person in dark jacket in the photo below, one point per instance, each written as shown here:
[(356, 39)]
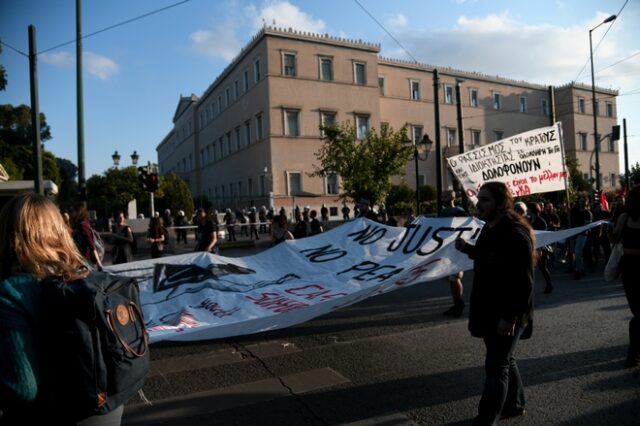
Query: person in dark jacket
[(501, 303), (36, 244)]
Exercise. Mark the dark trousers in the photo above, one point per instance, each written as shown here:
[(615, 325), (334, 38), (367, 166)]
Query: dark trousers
[(502, 387), (632, 291)]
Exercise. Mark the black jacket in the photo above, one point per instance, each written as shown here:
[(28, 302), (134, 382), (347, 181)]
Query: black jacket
[(503, 277)]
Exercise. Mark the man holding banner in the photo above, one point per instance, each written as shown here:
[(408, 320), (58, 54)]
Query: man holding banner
[(501, 303)]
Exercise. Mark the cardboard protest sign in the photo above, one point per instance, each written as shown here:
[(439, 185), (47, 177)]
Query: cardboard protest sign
[(528, 163)]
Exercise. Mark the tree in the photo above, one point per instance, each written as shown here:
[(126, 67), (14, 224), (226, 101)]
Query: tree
[(634, 176), (174, 194), (113, 190), (364, 166), (577, 182), (3, 75), (16, 146)]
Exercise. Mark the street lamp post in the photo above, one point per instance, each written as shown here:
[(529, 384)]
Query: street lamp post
[(116, 159), (594, 103), (134, 158), (426, 142)]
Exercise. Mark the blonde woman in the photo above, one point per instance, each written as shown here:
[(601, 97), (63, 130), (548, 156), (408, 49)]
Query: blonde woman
[(34, 244)]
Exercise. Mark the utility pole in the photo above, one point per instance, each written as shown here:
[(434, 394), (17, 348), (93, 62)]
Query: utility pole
[(436, 110), (35, 113), (82, 184)]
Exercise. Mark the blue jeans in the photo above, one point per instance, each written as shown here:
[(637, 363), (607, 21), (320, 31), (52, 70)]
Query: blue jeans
[(503, 387), (581, 239)]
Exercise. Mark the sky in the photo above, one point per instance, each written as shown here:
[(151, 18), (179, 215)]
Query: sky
[(135, 70)]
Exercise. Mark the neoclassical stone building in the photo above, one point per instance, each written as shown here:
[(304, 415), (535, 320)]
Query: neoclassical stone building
[(251, 137)]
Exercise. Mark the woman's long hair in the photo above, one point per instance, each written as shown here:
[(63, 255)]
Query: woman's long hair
[(35, 240), (504, 206)]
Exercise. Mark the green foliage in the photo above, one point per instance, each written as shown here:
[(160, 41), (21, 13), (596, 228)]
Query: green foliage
[(174, 194), (113, 190), (16, 151), (364, 166), (634, 176), (3, 75), (577, 183), (400, 194)]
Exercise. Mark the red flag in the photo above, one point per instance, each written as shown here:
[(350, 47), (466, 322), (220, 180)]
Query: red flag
[(603, 201)]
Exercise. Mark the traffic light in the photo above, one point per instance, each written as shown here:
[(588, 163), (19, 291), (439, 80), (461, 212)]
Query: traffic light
[(143, 177), (596, 198), (152, 182)]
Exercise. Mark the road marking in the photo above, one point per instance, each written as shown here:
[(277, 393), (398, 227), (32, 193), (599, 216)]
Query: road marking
[(201, 403)]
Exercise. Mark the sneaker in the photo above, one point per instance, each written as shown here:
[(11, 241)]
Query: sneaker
[(513, 412)]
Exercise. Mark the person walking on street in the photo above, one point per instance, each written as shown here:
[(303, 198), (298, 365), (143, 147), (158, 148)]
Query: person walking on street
[(83, 236), (35, 245), (207, 232), (539, 224), (181, 233), (501, 303), (122, 241), (156, 237), (449, 209), (627, 231)]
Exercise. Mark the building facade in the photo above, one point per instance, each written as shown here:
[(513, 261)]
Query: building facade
[(251, 139)]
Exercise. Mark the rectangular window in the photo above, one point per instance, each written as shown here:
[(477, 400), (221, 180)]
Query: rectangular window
[(544, 107), (327, 119), (499, 134), (332, 184), (581, 106), (523, 104), (295, 182), (381, 87), (415, 90), (451, 137), (207, 157), (362, 126), (475, 137), (236, 141), (583, 141), (359, 73), (448, 94), (220, 148), (240, 189), (263, 186), (227, 97), (231, 190), (326, 69), (256, 71), (291, 124), (247, 132), (289, 64), (259, 127), (474, 100), (245, 80), (497, 100), (219, 104), (612, 179), (597, 107), (236, 90), (250, 187), (609, 106), (227, 145), (611, 144), (418, 131)]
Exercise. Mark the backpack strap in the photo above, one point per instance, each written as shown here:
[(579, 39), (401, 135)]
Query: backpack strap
[(135, 315)]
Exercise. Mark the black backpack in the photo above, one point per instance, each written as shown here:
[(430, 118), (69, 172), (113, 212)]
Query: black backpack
[(97, 355)]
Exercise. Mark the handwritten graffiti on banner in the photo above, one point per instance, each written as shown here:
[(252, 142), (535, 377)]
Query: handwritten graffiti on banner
[(202, 296), (527, 163)]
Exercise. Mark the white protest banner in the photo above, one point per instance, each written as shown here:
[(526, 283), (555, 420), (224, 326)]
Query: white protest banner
[(201, 296), (527, 163)]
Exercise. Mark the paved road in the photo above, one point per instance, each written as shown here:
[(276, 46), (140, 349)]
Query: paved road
[(394, 360)]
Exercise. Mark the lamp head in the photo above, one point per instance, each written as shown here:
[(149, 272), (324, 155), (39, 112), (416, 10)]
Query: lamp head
[(609, 19), (426, 141)]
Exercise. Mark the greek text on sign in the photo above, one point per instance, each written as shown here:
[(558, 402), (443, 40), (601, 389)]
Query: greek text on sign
[(528, 163)]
